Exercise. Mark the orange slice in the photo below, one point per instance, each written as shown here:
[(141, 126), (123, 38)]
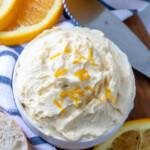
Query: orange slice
[(34, 16), (8, 11), (133, 135)]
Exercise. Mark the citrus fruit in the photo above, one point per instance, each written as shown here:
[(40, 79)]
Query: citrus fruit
[(8, 11), (133, 135), (33, 17)]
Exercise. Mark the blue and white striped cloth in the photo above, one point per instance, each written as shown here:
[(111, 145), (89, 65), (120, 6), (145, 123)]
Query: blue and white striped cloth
[(9, 55)]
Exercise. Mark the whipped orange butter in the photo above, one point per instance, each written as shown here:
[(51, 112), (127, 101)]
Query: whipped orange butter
[(74, 83)]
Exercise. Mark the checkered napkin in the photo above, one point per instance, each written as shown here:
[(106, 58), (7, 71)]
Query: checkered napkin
[(9, 55)]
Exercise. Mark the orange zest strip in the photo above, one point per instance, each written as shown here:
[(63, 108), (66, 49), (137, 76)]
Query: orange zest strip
[(77, 88), (79, 59), (62, 95), (67, 50), (77, 91), (71, 93), (76, 99), (108, 95), (59, 73), (88, 88), (112, 98), (80, 54), (80, 93), (82, 74), (102, 100), (76, 61), (59, 105), (91, 56), (51, 58)]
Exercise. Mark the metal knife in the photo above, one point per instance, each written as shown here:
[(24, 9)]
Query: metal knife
[(145, 17), (92, 14)]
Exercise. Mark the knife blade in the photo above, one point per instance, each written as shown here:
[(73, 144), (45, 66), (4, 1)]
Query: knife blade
[(92, 14), (145, 17)]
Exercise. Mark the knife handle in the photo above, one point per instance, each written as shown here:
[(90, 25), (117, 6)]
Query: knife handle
[(137, 26)]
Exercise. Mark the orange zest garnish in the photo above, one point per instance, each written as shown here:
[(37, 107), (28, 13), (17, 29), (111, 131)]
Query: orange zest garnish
[(77, 91), (62, 95), (112, 98), (59, 73), (108, 92), (59, 105), (91, 56), (80, 54), (79, 59), (82, 74), (80, 93), (76, 99), (51, 58), (71, 94), (76, 61), (66, 50), (88, 88), (102, 100), (108, 95)]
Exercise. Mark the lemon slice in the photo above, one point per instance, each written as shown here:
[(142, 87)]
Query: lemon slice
[(133, 135), (8, 11), (34, 16)]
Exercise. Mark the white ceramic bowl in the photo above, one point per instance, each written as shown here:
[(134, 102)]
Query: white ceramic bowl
[(62, 143)]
